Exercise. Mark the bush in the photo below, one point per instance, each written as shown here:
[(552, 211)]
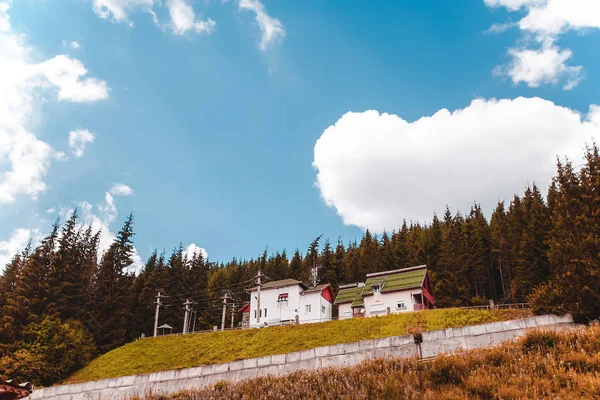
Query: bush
[(540, 340), (448, 370), (49, 352)]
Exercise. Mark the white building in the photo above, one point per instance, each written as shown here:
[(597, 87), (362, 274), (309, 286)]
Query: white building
[(290, 301), (388, 292)]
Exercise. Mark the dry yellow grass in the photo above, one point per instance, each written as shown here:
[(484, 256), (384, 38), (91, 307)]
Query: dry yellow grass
[(542, 365), (173, 352)]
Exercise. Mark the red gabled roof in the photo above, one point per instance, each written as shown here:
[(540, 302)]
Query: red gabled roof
[(245, 308)]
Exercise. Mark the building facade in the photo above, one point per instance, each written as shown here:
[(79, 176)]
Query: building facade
[(289, 301), (389, 292)]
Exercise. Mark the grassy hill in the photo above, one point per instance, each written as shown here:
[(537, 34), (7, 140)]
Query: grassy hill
[(182, 351), (541, 365)]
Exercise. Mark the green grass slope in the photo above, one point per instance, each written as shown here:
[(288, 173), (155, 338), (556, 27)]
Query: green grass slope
[(183, 351), (541, 365)]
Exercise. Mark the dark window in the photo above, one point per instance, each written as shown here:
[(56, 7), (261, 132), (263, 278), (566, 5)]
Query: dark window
[(265, 313), (282, 297)]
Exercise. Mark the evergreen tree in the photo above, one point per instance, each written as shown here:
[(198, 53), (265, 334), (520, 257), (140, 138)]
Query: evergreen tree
[(328, 265), (112, 292), (367, 258), (296, 265)]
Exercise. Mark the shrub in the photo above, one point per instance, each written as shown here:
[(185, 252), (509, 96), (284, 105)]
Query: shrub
[(50, 351), (539, 340), (447, 370)]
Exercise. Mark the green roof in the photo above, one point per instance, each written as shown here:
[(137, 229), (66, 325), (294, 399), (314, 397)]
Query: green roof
[(395, 280), (348, 294)]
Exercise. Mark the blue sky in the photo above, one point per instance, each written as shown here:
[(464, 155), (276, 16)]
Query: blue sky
[(209, 119)]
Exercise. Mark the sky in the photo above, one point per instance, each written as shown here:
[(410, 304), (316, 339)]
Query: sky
[(231, 126)]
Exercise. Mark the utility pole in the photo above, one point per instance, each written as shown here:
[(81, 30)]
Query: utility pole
[(258, 276), (233, 307), (224, 298), (186, 318), (158, 304)]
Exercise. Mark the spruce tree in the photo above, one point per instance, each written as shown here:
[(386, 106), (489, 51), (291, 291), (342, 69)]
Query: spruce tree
[(112, 292)]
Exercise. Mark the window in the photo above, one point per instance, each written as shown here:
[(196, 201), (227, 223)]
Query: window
[(400, 305), (254, 313), (260, 312), (322, 309), (265, 313), (307, 308), (375, 288), (282, 297), (377, 308)]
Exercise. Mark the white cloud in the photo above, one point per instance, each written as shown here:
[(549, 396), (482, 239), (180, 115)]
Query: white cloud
[(51, 210), (74, 45), (182, 16), (378, 169), (183, 19), (120, 189), (66, 75), (543, 23), (16, 243), (25, 159), (513, 5), (78, 139), (119, 10), (544, 66), (194, 249), (271, 28)]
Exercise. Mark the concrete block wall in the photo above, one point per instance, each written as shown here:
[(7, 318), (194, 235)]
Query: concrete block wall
[(340, 355)]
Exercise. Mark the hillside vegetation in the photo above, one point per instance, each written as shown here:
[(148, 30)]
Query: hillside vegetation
[(541, 365), (182, 351)]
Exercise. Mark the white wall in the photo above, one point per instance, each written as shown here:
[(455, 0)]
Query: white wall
[(345, 310), (315, 314), (389, 300), (276, 311)]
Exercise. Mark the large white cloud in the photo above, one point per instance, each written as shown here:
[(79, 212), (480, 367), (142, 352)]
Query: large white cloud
[(378, 169), (25, 159), (183, 19), (543, 23), (272, 29)]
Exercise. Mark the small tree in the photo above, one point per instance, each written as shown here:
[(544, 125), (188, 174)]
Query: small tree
[(50, 351)]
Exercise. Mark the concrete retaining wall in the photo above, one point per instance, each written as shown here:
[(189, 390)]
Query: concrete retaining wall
[(341, 355)]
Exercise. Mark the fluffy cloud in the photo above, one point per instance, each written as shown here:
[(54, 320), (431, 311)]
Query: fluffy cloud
[(537, 67), (25, 159), (271, 28), (378, 169), (183, 17), (192, 249), (16, 243), (119, 10), (78, 140), (120, 189), (543, 23)]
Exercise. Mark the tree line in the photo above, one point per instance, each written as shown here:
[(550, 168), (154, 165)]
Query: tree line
[(63, 297)]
